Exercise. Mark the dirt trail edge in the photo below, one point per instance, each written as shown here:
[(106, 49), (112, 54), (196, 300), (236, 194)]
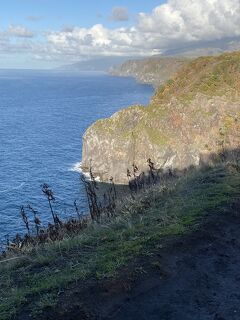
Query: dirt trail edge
[(196, 277)]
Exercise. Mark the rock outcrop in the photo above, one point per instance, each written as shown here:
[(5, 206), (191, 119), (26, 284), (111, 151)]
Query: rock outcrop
[(155, 70), (194, 115)]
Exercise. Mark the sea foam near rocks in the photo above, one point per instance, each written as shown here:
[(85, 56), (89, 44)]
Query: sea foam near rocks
[(77, 167)]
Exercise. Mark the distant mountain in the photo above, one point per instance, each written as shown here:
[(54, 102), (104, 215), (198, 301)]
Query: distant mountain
[(154, 70), (114, 64), (99, 64), (210, 48)]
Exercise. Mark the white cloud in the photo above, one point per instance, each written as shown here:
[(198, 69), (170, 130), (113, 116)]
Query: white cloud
[(119, 14), (34, 18), (170, 25), (17, 39), (98, 41), (193, 20), (175, 24), (19, 31)]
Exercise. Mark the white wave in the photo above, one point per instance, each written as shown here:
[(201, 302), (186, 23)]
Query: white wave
[(77, 167), (13, 188)]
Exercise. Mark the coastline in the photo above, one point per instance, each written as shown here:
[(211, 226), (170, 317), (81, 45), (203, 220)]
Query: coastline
[(173, 130), (55, 111)]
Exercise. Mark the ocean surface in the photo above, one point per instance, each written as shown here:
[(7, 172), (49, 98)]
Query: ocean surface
[(43, 116)]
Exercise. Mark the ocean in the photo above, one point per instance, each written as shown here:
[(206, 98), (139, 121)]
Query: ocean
[(43, 116)]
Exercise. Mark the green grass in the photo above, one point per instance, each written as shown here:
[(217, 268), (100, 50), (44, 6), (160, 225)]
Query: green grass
[(211, 76), (141, 225), (161, 120)]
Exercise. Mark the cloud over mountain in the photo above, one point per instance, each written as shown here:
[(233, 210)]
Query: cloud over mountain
[(176, 23), (192, 20), (173, 25)]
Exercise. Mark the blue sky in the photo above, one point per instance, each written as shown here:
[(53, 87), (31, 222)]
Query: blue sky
[(55, 14), (42, 16), (50, 33)]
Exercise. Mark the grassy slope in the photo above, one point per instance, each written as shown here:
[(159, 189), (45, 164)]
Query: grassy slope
[(212, 76), (217, 76), (35, 282)]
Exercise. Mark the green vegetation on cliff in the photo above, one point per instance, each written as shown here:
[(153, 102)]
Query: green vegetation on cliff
[(213, 76), (195, 112)]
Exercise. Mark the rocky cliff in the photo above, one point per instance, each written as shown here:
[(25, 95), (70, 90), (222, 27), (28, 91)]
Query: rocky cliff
[(155, 70), (192, 116)]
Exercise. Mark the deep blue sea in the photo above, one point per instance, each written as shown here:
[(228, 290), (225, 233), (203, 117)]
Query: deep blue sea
[(43, 116)]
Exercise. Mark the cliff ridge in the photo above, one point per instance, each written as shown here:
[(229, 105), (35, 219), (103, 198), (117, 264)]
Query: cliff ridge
[(193, 115), (154, 70)]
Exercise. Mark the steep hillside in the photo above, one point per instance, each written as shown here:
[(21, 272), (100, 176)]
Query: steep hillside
[(170, 249), (155, 70), (187, 227), (193, 115)]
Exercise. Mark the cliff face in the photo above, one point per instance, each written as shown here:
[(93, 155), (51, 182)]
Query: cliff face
[(195, 114), (155, 70)]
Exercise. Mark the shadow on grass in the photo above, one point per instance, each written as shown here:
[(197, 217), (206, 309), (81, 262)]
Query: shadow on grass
[(173, 205), (104, 199)]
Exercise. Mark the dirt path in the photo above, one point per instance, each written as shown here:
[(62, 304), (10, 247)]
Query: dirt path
[(194, 278), (202, 280)]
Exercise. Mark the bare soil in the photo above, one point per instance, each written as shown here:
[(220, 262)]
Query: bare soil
[(196, 277)]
